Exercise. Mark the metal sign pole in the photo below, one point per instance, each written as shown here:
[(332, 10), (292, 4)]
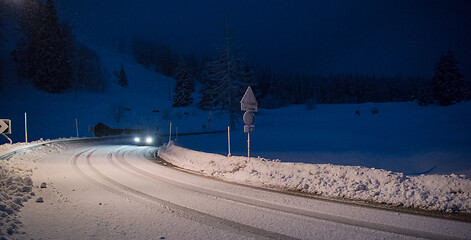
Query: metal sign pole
[(11, 142), (170, 134), (26, 128), (248, 104), (229, 140), (248, 145), (76, 127)]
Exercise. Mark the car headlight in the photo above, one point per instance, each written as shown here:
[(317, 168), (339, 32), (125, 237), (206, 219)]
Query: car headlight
[(148, 140), (136, 139)]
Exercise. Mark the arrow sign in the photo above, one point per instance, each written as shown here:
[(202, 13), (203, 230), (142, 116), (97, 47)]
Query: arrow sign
[(248, 102), (5, 126)]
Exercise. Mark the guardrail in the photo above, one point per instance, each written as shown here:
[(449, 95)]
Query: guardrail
[(194, 133), (25, 148)]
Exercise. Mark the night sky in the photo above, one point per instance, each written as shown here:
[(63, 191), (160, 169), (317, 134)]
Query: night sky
[(297, 36)]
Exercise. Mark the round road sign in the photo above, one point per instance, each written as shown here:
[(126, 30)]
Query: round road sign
[(249, 118)]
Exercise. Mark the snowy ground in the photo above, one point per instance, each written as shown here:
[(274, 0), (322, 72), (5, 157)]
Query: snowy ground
[(95, 191), (402, 137), (450, 193), (374, 156), (16, 185)]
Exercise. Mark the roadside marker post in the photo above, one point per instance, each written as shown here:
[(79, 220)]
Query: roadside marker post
[(249, 104), (76, 126), (229, 141), (26, 128), (170, 134)]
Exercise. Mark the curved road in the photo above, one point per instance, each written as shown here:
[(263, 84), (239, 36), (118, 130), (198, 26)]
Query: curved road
[(138, 197)]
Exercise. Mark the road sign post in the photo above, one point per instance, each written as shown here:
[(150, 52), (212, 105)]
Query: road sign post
[(170, 134), (248, 145), (249, 104), (76, 126), (26, 128), (5, 128), (229, 141)]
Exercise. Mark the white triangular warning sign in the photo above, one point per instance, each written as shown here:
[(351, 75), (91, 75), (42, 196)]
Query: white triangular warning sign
[(248, 102)]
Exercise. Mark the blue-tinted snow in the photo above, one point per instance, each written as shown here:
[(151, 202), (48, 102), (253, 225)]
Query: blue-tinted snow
[(401, 137)]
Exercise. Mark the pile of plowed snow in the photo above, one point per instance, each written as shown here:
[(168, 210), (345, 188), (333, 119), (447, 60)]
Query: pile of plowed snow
[(16, 186), (449, 193)]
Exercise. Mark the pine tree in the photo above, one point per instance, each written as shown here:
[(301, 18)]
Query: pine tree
[(208, 91), (88, 71), (26, 51), (123, 80), (183, 88), (448, 83), (45, 53), (227, 79), (54, 71)]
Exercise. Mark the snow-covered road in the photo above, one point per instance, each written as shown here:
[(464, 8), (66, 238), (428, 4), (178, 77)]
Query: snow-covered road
[(122, 192)]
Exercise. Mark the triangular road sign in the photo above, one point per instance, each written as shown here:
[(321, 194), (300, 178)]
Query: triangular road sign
[(249, 102)]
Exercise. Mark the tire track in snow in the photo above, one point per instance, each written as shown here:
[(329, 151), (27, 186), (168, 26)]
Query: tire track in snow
[(277, 207), (96, 182), (149, 200)]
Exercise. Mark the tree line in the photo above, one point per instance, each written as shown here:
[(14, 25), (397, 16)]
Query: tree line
[(224, 78), (446, 87), (51, 59)]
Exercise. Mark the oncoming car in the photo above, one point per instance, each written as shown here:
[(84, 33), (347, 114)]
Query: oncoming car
[(147, 140)]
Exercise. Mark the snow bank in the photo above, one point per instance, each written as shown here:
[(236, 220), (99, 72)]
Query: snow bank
[(16, 186), (449, 193), (5, 148)]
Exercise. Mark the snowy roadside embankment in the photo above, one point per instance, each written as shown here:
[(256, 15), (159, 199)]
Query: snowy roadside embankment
[(16, 186), (449, 193), (5, 148)]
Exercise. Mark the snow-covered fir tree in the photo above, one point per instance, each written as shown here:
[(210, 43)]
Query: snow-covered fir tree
[(448, 84), (208, 91), (123, 80), (227, 79), (44, 54), (183, 88)]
